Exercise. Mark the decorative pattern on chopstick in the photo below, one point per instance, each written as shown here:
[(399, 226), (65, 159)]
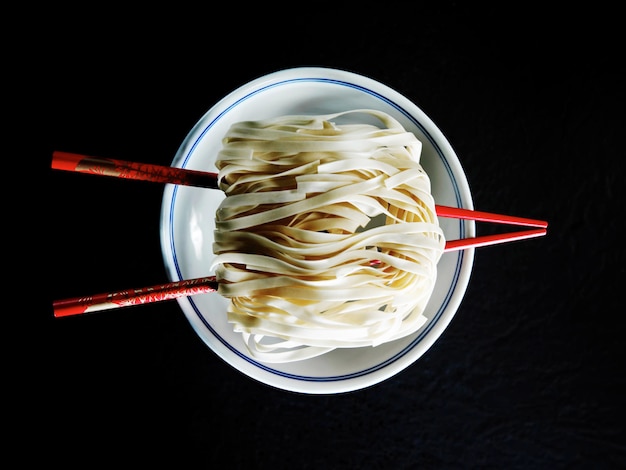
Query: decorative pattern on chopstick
[(126, 298), (132, 170)]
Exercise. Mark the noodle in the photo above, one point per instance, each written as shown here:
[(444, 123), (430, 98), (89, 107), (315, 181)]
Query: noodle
[(299, 250)]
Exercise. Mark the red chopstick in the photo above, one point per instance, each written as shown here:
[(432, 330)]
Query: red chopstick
[(126, 298), (468, 214), (132, 170), (165, 174), (485, 240)]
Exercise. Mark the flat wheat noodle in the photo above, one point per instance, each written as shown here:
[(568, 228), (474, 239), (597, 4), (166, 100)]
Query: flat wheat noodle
[(304, 268)]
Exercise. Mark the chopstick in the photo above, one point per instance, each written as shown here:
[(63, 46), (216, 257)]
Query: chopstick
[(129, 297), (487, 240), (132, 170), (479, 216), (165, 174)]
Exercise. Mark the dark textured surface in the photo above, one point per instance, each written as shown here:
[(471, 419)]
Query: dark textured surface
[(529, 374)]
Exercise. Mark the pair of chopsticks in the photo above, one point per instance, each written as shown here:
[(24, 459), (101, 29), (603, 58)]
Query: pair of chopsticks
[(164, 174)]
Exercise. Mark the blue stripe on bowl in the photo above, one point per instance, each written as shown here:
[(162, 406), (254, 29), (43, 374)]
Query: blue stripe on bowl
[(459, 261)]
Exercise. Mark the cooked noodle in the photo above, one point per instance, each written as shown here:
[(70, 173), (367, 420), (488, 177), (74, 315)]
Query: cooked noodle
[(299, 253)]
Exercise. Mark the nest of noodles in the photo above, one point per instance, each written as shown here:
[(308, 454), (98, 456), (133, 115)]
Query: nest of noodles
[(328, 237)]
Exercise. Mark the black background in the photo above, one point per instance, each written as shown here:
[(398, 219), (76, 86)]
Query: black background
[(529, 374)]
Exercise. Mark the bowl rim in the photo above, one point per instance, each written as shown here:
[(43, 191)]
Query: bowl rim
[(267, 373)]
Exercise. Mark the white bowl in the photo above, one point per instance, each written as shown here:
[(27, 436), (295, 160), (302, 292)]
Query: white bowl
[(187, 225)]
